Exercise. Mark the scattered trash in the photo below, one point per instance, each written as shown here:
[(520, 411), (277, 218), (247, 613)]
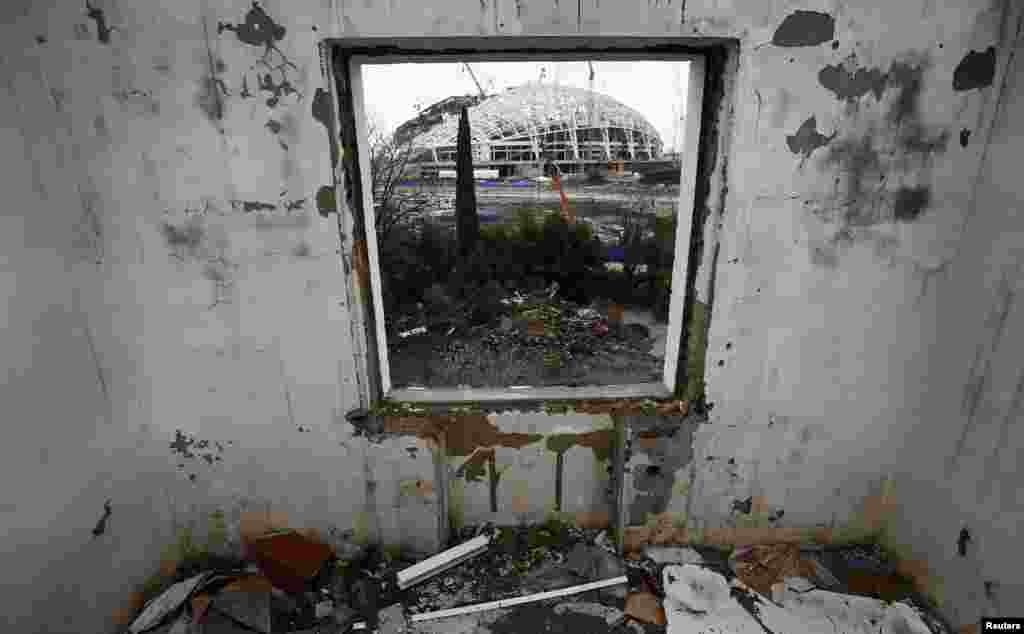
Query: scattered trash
[(167, 604), (604, 541), (644, 606), (762, 566), (419, 330), (297, 585)]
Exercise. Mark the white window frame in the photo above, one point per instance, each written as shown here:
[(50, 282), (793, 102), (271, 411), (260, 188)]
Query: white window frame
[(686, 204)]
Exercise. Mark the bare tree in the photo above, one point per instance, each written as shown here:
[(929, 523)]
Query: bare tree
[(388, 162)]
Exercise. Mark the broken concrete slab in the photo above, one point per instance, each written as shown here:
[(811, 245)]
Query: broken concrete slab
[(698, 590), (733, 607)]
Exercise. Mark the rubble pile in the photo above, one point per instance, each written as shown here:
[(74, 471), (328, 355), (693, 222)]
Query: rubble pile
[(549, 577)]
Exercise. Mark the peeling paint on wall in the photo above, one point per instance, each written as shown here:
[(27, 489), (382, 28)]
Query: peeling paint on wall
[(805, 28), (322, 112), (976, 70), (186, 446), (258, 29), (807, 138)]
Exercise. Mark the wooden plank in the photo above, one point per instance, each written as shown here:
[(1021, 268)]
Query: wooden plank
[(442, 561), (506, 603)]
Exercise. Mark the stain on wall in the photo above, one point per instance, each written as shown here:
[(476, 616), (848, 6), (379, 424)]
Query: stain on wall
[(880, 157), (662, 446), (805, 28), (976, 70), (910, 202), (807, 138)]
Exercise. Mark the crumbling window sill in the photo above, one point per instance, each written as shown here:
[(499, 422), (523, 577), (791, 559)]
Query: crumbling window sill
[(395, 410)]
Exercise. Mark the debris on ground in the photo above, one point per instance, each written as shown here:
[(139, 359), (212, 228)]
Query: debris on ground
[(392, 620), (442, 561), (644, 606), (167, 604), (290, 560), (673, 555), (593, 562), (548, 577), (762, 566)]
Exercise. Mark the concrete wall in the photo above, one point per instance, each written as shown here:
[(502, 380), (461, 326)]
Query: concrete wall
[(863, 317)]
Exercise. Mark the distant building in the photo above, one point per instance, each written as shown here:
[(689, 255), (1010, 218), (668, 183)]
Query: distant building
[(516, 131)]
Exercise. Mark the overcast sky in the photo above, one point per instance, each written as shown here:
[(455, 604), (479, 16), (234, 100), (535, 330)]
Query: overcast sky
[(655, 89)]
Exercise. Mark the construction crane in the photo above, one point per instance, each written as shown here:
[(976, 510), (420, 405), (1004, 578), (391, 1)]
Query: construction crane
[(483, 94)]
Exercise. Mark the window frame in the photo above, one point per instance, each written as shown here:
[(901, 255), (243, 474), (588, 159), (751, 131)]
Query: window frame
[(356, 53)]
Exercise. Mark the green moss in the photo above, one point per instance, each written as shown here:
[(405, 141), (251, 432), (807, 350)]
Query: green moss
[(465, 410), (325, 200), (475, 471), (560, 443), (361, 529), (218, 532), (696, 347), (392, 552), (456, 504), (552, 408), (397, 408)]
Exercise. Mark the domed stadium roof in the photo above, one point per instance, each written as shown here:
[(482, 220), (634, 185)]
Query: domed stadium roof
[(533, 108)]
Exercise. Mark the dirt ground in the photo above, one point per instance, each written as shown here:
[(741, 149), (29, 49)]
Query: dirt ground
[(502, 354)]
